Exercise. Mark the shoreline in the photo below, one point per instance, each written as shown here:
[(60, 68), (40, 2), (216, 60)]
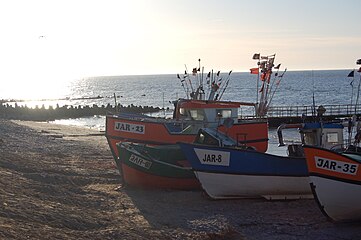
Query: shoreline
[(60, 181)]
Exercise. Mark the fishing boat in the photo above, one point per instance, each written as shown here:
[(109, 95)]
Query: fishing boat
[(233, 171), (335, 179), (190, 116), (198, 109), (161, 167)]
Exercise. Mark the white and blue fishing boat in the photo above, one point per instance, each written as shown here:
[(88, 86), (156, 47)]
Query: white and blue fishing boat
[(227, 170), (335, 179)]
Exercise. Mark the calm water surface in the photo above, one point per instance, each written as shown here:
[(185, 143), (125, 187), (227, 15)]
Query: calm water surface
[(296, 88)]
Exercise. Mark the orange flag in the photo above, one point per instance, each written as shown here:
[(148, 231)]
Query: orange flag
[(254, 70)]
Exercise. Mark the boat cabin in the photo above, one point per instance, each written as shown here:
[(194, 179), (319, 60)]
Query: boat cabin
[(326, 135), (212, 112)]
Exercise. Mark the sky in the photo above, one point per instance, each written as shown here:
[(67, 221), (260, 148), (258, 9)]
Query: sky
[(44, 41)]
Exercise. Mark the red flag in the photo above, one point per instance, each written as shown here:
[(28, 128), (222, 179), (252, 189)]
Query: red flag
[(254, 70), (263, 76), (266, 76)]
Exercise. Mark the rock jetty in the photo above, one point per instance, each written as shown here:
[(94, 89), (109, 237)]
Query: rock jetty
[(17, 112)]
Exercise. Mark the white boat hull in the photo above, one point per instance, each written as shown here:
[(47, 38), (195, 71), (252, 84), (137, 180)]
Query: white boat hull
[(340, 201), (223, 186)]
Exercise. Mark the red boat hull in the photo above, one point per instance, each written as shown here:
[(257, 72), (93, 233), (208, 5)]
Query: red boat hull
[(136, 178)]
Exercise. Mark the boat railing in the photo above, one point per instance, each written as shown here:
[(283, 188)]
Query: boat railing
[(303, 110), (341, 110)]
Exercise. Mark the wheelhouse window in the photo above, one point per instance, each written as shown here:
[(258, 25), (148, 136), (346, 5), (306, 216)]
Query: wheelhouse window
[(197, 114), (310, 138), (192, 114), (224, 113), (332, 137), (204, 138)]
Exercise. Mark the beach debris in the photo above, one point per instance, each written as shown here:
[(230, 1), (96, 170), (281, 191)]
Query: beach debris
[(119, 188)]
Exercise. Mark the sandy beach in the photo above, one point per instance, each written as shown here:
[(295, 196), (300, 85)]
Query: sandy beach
[(60, 182)]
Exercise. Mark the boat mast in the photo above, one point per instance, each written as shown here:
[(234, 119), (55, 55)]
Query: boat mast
[(358, 92), (256, 56), (185, 88), (226, 85), (352, 74), (265, 66), (313, 97), (280, 77), (186, 75)]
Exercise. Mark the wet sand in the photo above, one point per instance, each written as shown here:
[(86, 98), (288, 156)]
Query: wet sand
[(60, 182)]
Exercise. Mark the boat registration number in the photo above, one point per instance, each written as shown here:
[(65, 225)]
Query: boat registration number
[(212, 157), (336, 166), (140, 161), (129, 127)]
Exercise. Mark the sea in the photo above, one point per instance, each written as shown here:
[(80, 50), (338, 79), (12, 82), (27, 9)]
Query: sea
[(295, 88)]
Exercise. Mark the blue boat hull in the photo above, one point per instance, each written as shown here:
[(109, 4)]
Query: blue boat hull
[(235, 173)]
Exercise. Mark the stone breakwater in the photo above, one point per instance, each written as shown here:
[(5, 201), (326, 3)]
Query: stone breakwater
[(21, 112), (17, 112)]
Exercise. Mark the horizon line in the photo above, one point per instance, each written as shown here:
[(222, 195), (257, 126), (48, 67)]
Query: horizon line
[(242, 71)]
